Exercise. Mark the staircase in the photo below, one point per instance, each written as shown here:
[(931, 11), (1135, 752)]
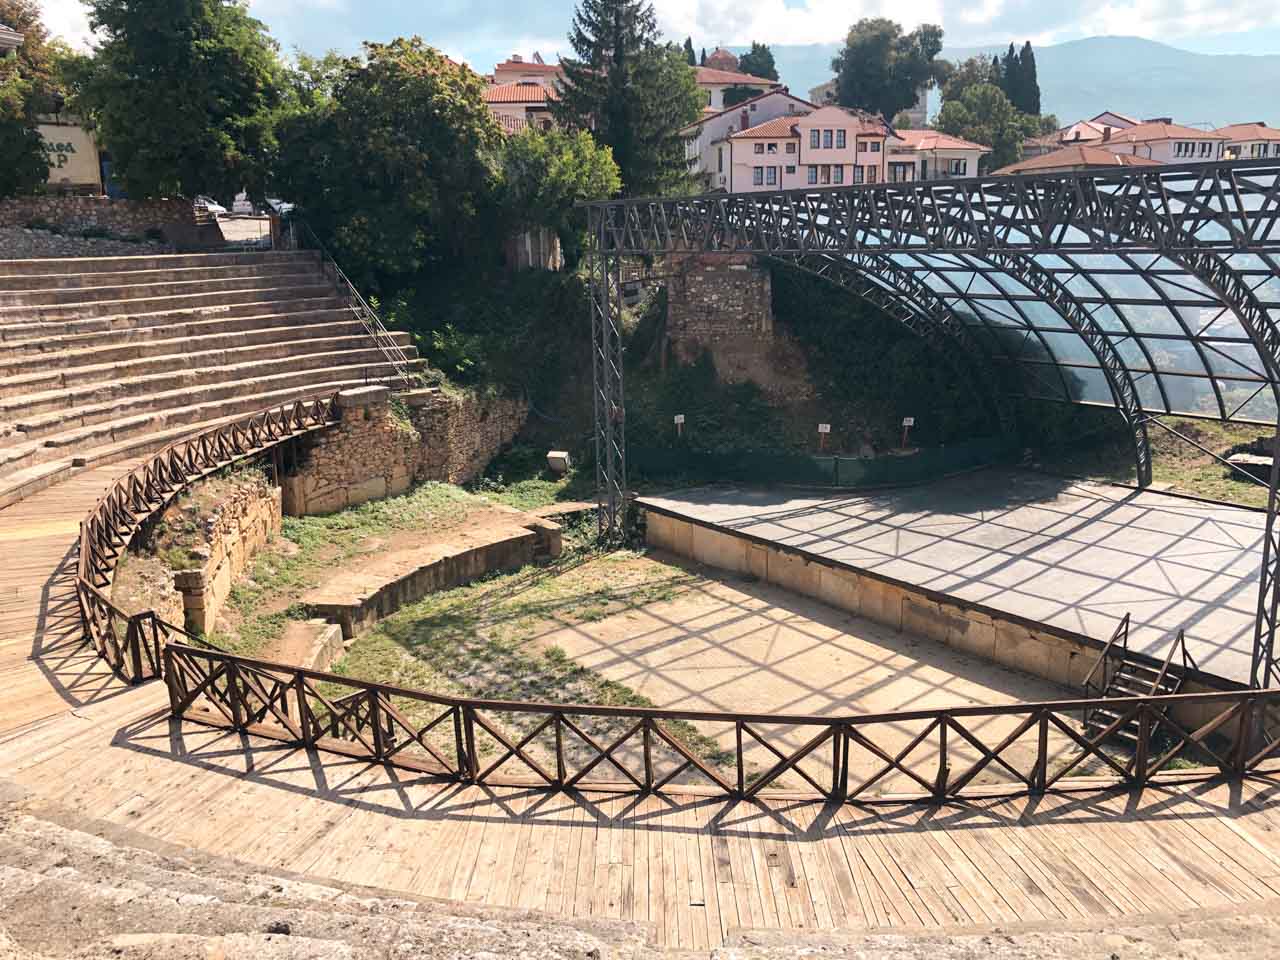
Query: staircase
[(103, 359), (1118, 673)]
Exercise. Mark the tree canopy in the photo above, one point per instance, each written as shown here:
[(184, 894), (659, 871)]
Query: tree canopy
[(758, 62), (883, 70), (633, 93), (29, 86), (397, 165), (546, 172), (983, 114), (184, 94)]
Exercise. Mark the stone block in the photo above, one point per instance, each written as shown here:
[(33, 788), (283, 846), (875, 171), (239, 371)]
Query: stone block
[(372, 489), (356, 397), (716, 549), (793, 572), (838, 588), (881, 602)]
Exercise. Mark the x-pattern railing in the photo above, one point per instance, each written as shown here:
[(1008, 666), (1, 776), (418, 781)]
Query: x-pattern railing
[(484, 741), (131, 643)]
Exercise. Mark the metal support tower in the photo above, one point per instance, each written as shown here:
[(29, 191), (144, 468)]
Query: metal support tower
[(605, 270)]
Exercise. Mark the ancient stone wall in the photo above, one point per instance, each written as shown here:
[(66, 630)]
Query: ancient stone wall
[(21, 243), (118, 218), (236, 528), (377, 451), (723, 305)]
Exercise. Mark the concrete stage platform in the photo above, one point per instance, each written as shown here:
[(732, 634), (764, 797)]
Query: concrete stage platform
[(1074, 555)]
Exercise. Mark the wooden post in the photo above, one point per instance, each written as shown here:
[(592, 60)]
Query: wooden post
[(742, 774), (1244, 734), (233, 693), (940, 782), (469, 729), (1143, 750), (559, 730), (304, 714), (459, 750), (375, 719), (648, 754), (1041, 776), (837, 769)]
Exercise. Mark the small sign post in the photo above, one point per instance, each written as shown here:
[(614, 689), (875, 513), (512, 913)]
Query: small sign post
[(907, 424), (679, 418), (823, 430)]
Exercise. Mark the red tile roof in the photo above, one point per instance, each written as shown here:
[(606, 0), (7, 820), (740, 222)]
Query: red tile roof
[(933, 140), (713, 77), (528, 66), (1076, 156), (1249, 131), (709, 112), (522, 92), (1151, 130), (775, 129)]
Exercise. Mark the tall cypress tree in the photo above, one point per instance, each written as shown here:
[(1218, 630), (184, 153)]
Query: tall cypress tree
[(688, 52), (621, 86), (1030, 87), (703, 61), (997, 72), (1011, 75)]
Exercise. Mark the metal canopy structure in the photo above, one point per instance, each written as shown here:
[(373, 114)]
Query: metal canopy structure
[(1152, 290)]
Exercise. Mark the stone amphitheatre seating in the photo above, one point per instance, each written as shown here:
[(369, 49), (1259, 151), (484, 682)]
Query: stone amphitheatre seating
[(103, 359)]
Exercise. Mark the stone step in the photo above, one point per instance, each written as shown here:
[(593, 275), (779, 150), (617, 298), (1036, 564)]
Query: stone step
[(80, 265), (108, 308), (130, 291), (116, 431), (80, 281), (54, 388), (29, 411), (47, 336), (148, 347)]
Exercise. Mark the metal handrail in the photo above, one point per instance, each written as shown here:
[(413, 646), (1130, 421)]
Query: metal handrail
[(367, 316)]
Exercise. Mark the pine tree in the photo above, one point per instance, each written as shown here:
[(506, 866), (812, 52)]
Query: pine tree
[(620, 85), (1011, 75), (688, 52), (1030, 87), (997, 72)]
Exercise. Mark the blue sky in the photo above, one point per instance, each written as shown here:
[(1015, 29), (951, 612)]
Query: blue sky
[(484, 31)]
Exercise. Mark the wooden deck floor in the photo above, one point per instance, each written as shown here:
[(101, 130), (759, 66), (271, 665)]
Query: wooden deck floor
[(44, 667), (691, 866)]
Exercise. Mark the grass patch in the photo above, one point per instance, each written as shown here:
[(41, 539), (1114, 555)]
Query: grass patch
[(519, 478), (481, 640), (261, 605)]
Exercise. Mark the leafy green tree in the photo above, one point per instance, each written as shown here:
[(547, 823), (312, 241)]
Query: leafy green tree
[(546, 172), (758, 62), (969, 73), (29, 86), (688, 52), (983, 114), (633, 93), (737, 93), (882, 69), (397, 162), (185, 94)]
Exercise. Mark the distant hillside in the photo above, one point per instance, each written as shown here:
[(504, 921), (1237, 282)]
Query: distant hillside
[(1080, 78)]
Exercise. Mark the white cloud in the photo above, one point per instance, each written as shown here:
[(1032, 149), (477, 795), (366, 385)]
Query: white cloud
[(739, 22), (68, 19)]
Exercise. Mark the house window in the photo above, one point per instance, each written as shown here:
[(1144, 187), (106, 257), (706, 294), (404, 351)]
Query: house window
[(719, 159), (857, 174), (773, 148), (758, 147), (753, 108), (837, 173), (871, 174), (826, 139), (771, 176), (1275, 150), (840, 139), (862, 147), (791, 147), (813, 139), (708, 98), (958, 168), (824, 173), (901, 172), (1204, 149), (875, 146), (791, 169), (813, 174), (757, 176)]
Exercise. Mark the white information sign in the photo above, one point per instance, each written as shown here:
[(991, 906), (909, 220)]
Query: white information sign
[(679, 418), (908, 421), (824, 428)]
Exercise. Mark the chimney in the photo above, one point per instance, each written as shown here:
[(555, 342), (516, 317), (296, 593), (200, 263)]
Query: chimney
[(1106, 134), (745, 119), (516, 58)]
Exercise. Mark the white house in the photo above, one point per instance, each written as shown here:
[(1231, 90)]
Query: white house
[(521, 104), (1164, 141), (708, 147), (714, 82), (10, 40), (1250, 141), (930, 155)]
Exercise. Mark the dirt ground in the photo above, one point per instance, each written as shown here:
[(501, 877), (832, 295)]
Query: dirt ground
[(731, 644)]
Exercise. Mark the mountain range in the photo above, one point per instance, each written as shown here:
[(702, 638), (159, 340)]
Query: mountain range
[(1081, 78)]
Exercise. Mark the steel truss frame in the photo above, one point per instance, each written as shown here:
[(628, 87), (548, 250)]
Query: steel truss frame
[(1128, 265)]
